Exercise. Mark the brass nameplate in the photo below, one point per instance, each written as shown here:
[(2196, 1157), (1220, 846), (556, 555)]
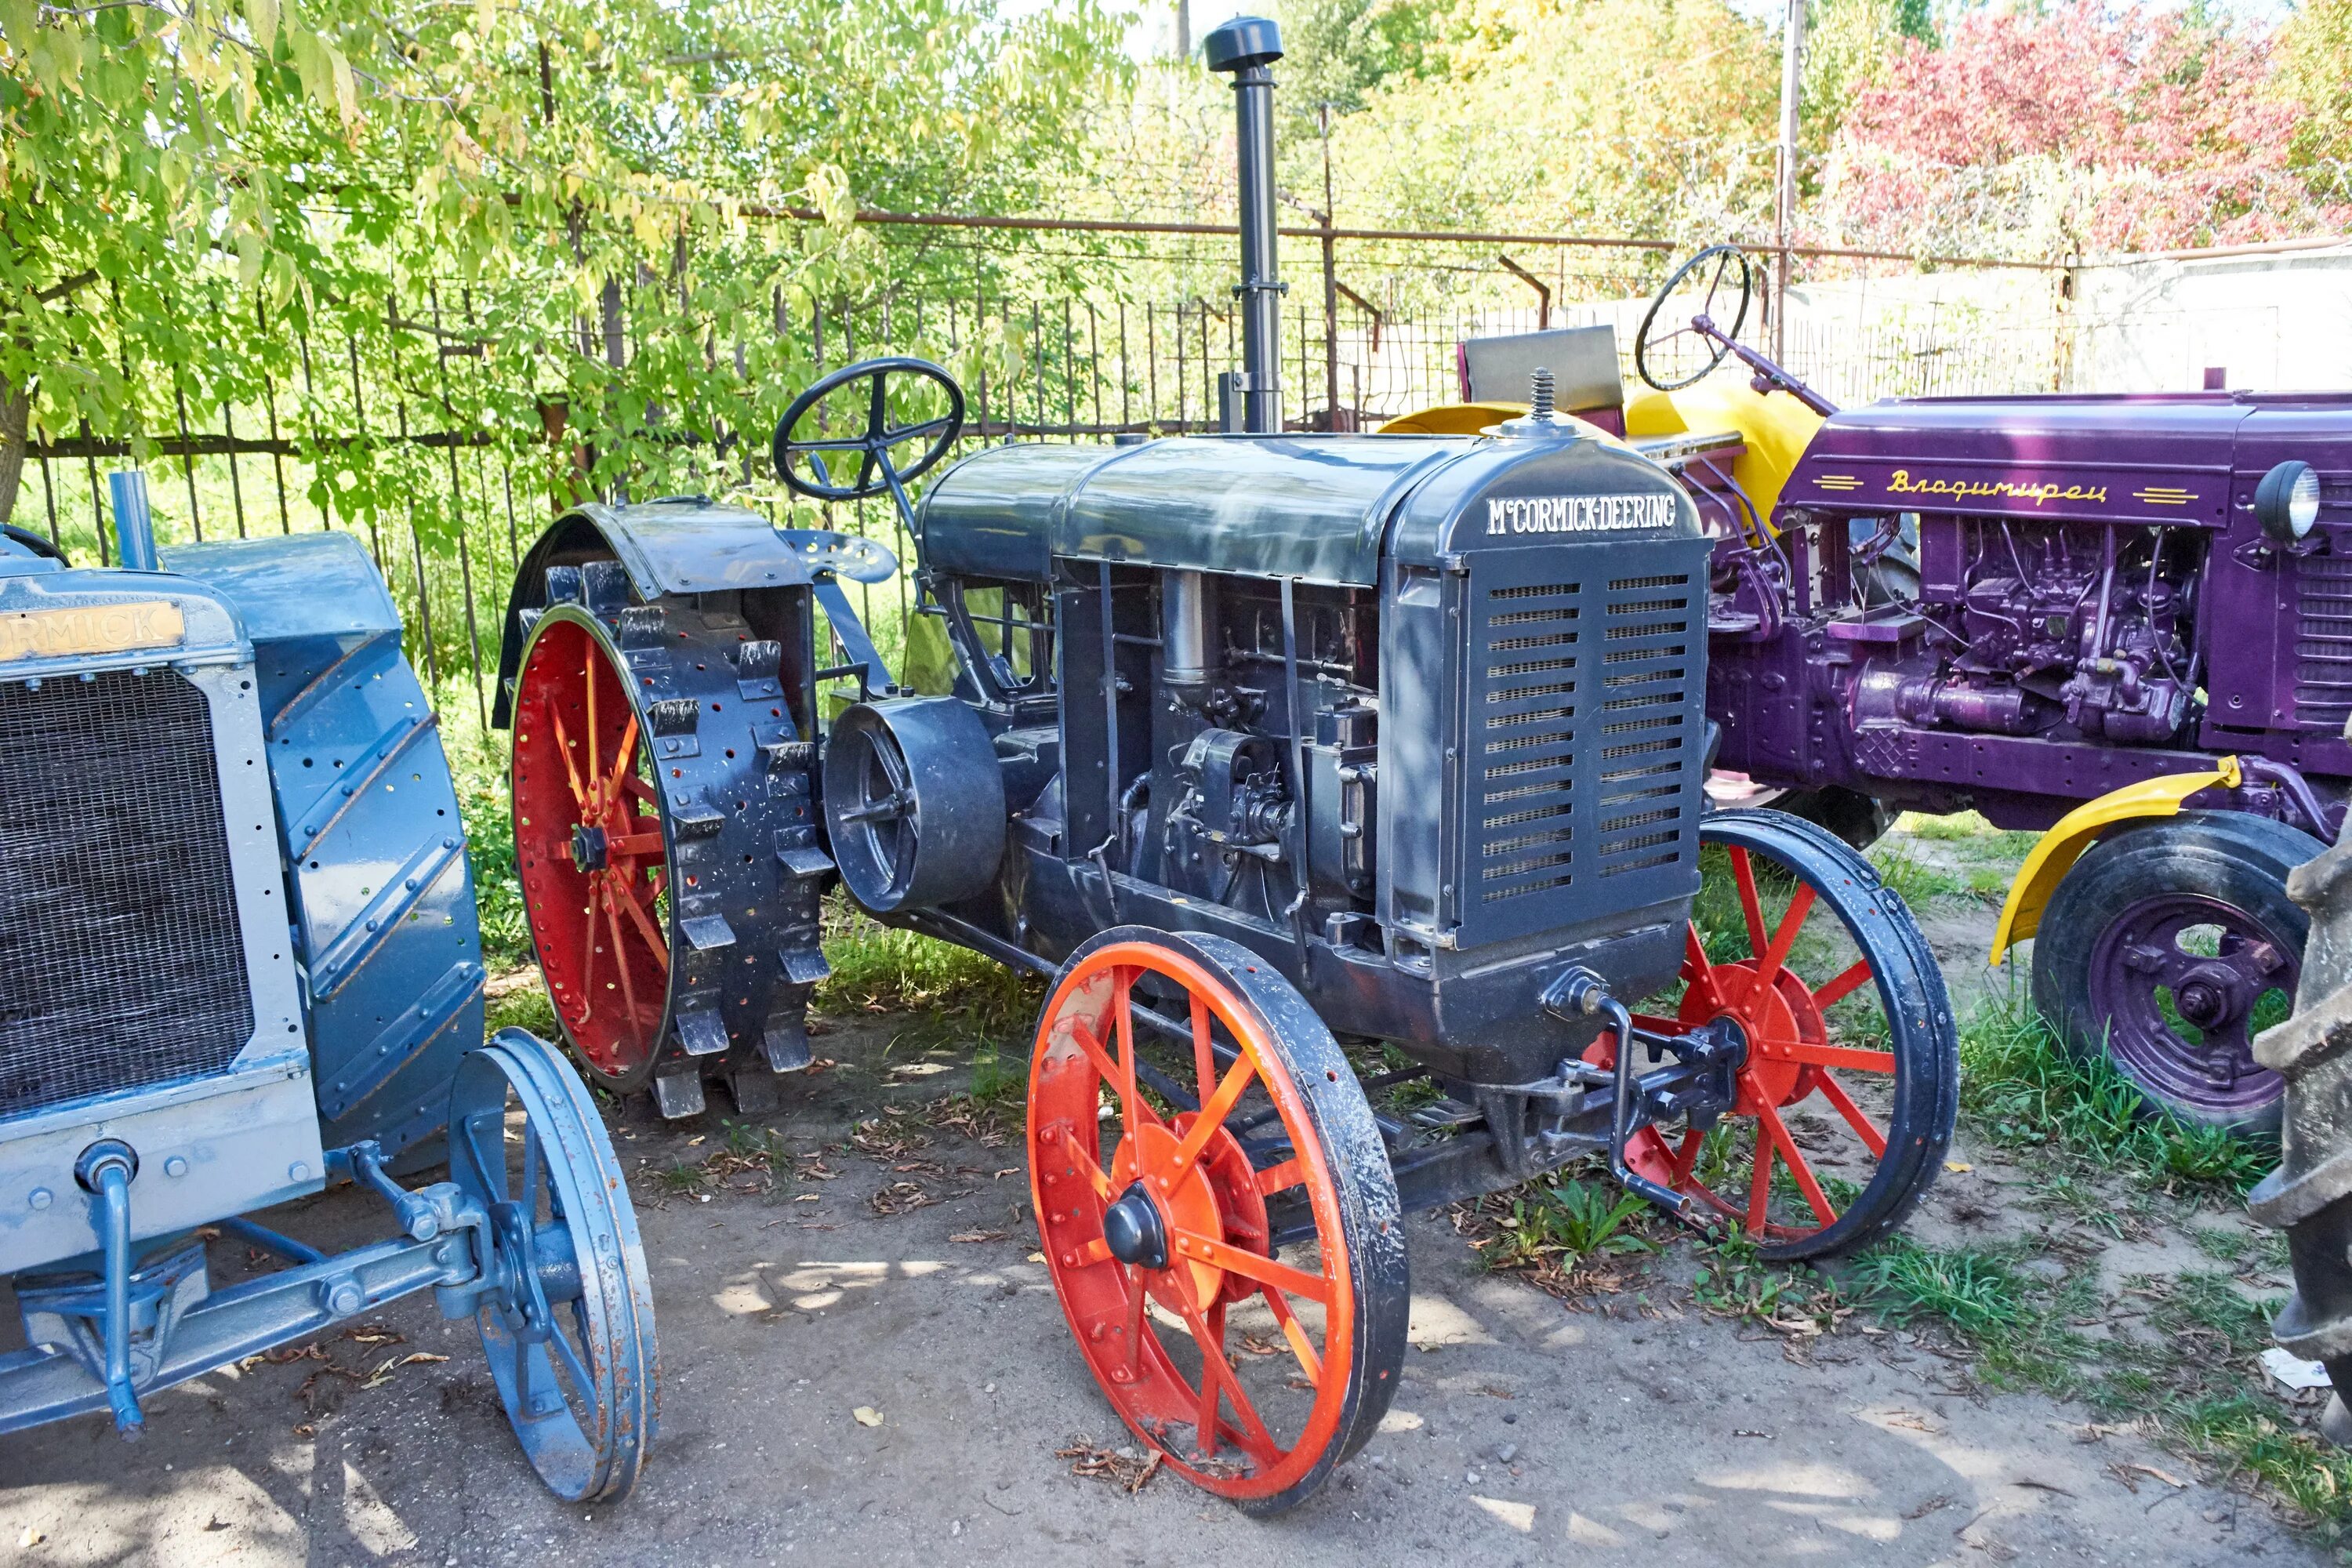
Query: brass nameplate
[(91, 628)]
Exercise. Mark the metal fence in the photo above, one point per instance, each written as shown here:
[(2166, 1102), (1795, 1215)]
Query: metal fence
[(403, 401)]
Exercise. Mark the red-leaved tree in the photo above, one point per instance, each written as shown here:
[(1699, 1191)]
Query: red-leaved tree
[(2087, 128)]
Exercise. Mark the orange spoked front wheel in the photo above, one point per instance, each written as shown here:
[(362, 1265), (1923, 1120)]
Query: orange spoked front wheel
[(1846, 1077), (1217, 1212)]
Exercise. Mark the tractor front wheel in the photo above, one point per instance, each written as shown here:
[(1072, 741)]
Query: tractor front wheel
[(2167, 948), (1221, 1223)]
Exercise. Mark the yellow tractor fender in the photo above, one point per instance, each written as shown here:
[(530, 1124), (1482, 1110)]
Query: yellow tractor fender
[(2057, 850), (1473, 419)]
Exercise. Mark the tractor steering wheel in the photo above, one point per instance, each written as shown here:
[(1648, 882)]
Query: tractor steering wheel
[(37, 543), (878, 470), (1702, 324)]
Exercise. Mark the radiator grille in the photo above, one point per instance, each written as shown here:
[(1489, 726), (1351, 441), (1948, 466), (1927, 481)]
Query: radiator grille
[(2322, 642), (1578, 792), (123, 963)]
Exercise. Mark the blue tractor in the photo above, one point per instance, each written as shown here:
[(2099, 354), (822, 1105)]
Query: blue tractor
[(242, 962)]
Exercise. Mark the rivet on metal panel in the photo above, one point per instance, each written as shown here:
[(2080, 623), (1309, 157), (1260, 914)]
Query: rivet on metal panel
[(40, 1197), (177, 1165)]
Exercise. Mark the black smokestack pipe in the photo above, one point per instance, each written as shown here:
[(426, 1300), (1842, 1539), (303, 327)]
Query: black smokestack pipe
[(1246, 46)]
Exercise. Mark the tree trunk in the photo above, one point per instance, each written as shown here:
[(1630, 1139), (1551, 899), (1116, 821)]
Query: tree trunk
[(16, 412)]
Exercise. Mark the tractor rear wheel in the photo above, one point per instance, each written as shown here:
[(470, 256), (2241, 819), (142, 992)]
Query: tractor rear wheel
[(2310, 1194), (2165, 950), (1223, 1230)]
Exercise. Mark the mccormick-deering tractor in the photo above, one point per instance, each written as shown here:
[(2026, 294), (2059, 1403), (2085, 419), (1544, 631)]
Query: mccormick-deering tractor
[(2124, 619), (1306, 769), (242, 962)]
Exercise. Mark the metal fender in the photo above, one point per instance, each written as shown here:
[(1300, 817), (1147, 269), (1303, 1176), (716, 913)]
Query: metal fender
[(1470, 418), (1777, 428), (2055, 854)]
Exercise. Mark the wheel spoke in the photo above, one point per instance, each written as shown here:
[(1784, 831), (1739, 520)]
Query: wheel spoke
[(1697, 973), (1768, 967), (1769, 1119), (588, 672), (1204, 1059), (529, 1195), (1210, 1334), (1253, 1434), (609, 795), (1084, 1165), (1122, 1003), (1743, 877), (1866, 1129), (629, 845), (1760, 1182), (571, 767), (494, 1171), (1280, 1178), (1844, 985), (1093, 1252), (584, 1382), (1249, 1265), (1309, 1362), (1131, 1281), (628, 986), (644, 926), (1815, 1053), (1213, 1112)]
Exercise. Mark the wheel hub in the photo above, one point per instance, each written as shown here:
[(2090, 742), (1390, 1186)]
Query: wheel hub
[(588, 848), (1134, 1231)]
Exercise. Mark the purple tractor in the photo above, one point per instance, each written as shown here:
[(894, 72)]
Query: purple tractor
[(2125, 622)]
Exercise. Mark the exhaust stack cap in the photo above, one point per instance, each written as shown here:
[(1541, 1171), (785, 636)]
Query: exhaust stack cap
[(1244, 42)]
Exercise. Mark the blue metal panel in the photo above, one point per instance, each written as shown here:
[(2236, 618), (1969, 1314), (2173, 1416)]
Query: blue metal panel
[(385, 920), (1308, 507)]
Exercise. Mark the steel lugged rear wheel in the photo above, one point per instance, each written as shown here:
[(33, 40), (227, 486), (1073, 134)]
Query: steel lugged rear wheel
[(568, 1321), (2310, 1194), (592, 854), (1252, 1375), (1846, 1092)]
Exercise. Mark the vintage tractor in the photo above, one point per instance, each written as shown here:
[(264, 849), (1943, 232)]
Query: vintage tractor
[(2126, 620), (1313, 769), (242, 962)]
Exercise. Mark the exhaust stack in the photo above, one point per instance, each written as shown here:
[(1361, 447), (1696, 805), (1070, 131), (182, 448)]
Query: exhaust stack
[(1246, 47)]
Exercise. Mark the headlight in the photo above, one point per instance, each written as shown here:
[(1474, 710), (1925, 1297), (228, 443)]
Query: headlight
[(2286, 503)]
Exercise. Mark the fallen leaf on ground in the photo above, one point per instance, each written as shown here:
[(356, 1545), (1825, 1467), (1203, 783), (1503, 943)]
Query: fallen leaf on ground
[(1959, 1167), (971, 1237), (866, 1415)]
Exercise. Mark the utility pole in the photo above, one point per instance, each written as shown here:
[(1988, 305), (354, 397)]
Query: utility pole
[(1330, 288), (1184, 28), (1784, 207)]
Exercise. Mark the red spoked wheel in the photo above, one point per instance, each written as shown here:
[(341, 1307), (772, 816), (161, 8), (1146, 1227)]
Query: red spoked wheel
[(1253, 1370), (592, 853), (1846, 1089)]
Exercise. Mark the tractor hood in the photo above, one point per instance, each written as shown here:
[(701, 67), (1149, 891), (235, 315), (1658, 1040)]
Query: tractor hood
[(2151, 458)]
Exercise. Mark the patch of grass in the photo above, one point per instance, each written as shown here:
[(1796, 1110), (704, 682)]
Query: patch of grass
[(1735, 1281), (1566, 1223), (525, 1007), (882, 969), (2245, 1250), (1914, 880), (2025, 1090), (1972, 1291), (1970, 835), (477, 766)]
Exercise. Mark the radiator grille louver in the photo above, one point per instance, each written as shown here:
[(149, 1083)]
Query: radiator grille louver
[(1579, 767), (2323, 643), (123, 963)]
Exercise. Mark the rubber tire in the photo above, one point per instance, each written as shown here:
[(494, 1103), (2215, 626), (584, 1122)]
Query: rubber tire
[(1856, 818), (2244, 859), (2309, 1196)]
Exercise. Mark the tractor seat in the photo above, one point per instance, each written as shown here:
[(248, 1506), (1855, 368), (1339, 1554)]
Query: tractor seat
[(1586, 379)]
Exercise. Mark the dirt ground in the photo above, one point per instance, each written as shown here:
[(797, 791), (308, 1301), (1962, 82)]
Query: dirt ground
[(1630, 1427)]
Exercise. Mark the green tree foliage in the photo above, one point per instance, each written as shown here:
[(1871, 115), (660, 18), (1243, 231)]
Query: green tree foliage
[(172, 170), (1649, 117), (2314, 78)]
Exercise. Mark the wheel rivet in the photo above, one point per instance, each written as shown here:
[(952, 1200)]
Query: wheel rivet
[(1068, 1259)]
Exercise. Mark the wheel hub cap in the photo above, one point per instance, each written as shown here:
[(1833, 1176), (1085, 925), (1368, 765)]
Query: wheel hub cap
[(1134, 1232), (588, 848)]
